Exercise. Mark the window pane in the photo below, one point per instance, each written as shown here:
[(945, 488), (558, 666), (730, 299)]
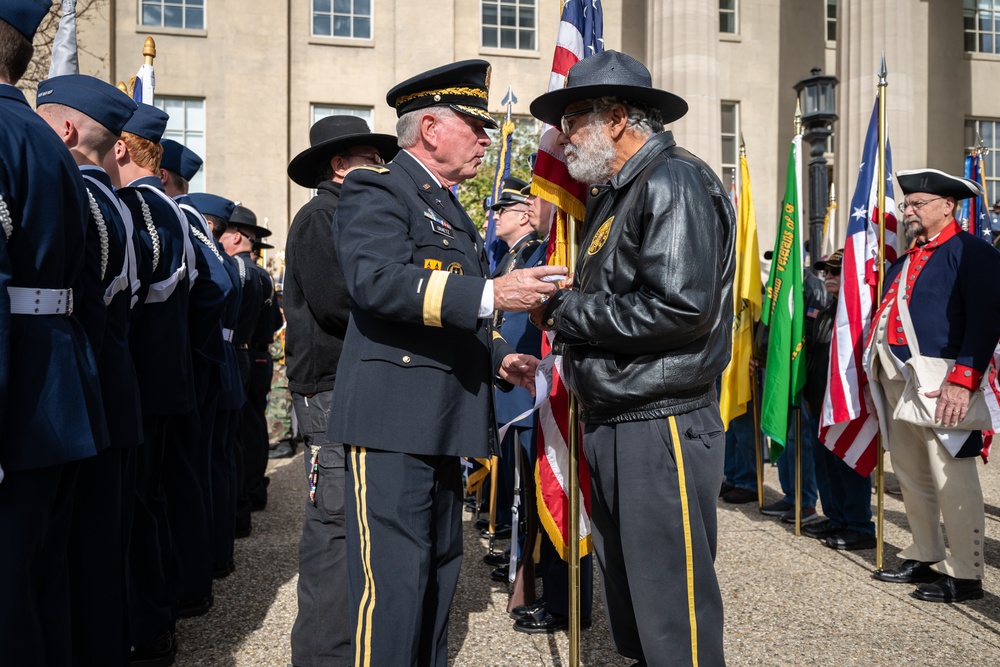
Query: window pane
[(342, 6), (527, 40), (727, 4), (363, 7), (173, 17), (527, 17), (986, 43), (727, 23), (151, 15), (195, 19), (986, 131), (363, 28), (195, 116), (729, 118), (321, 6), (489, 14), (341, 26), (508, 38), (508, 16), (196, 3), (489, 37), (729, 150), (321, 25)]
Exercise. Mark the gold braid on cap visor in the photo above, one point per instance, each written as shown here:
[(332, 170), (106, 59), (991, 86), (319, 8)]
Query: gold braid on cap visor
[(472, 92)]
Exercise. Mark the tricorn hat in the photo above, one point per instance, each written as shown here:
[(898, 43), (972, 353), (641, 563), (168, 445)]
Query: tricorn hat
[(608, 73), (463, 86), (510, 193), (331, 135), (936, 182)]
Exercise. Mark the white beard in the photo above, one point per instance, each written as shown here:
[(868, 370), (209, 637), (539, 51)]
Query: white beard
[(590, 159)]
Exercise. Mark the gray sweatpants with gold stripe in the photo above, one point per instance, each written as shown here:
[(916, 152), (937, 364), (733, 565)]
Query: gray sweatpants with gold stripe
[(654, 489)]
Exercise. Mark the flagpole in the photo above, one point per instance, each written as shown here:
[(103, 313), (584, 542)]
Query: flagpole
[(798, 411), (573, 491), (881, 175)]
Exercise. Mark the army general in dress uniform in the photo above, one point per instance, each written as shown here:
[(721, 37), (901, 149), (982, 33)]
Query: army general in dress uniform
[(422, 359)]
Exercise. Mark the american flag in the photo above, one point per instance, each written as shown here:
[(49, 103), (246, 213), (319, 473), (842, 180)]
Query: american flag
[(581, 31), (847, 427), (974, 210)]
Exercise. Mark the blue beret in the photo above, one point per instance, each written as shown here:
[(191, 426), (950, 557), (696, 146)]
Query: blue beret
[(215, 205), (180, 159), (24, 15), (147, 122), (101, 101)]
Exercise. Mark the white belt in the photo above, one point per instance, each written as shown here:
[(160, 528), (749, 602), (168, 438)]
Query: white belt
[(227, 335), (29, 301)]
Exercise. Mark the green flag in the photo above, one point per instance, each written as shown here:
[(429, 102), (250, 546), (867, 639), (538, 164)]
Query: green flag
[(785, 374)]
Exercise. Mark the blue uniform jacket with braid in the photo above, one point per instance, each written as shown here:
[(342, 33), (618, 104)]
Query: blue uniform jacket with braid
[(50, 397), (418, 365)]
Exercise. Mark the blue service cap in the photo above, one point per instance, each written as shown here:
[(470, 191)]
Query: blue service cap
[(180, 159), (24, 15), (92, 97), (215, 205), (147, 122)]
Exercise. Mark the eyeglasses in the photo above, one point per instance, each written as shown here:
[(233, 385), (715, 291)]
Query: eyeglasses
[(565, 125), (916, 205), (373, 158), (833, 272), (513, 210)]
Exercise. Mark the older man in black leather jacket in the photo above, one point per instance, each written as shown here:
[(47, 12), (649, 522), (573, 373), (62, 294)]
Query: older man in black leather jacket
[(645, 331)]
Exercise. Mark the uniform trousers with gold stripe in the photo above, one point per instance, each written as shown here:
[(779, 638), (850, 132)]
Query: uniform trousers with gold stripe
[(404, 553), (935, 484), (654, 490)]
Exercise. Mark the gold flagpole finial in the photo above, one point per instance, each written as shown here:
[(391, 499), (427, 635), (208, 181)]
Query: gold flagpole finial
[(122, 87), (798, 117), (833, 194), (743, 146), (148, 50)]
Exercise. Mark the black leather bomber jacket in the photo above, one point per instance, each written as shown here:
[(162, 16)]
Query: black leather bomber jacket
[(647, 328)]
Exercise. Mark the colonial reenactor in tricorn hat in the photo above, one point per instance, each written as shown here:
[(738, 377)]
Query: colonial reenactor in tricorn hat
[(317, 306), (652, 303), (418, 340), (50, 397), (937, 303)]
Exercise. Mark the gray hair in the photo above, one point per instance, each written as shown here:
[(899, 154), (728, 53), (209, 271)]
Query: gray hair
[(642, 120), (408, 125)]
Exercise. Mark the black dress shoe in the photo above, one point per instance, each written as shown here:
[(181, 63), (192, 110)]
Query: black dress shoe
[(243, 532), (851, 540), (541, 621), (159, 653), (950, 589), (739, 496), (223, 570), (910, 572), (496, 560), (501, 532), (193, 608), (726, 488), (501, 574), (822, 529), (283, 450), (522, 610), (482, 524)]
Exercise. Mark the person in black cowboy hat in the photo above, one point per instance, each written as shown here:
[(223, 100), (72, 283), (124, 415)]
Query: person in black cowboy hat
[(419, 344), (317, 307), (647, 326)]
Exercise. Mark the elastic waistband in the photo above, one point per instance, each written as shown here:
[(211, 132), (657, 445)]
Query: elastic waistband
[(34, 301)]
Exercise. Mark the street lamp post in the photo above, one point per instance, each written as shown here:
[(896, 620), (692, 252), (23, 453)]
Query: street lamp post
[(819, 111)]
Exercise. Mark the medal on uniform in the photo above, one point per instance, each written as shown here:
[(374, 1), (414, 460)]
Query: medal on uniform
[(439, 225)]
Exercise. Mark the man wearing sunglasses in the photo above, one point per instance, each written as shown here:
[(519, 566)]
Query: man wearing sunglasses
[(944, 286)]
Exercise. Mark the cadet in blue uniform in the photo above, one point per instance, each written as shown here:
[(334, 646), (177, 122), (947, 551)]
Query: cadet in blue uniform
[(88, 115), (317, 307), (50, 397), (161, 349), (187, 464), (217, 211), (238, 240), (418, 347), (950, 309)]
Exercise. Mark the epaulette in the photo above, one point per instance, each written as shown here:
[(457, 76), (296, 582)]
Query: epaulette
[(376, 168)]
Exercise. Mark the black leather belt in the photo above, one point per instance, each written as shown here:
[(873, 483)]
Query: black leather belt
[(242, 346)]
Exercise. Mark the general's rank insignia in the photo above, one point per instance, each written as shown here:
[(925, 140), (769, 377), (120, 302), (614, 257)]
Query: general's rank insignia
[(432, 264), (600, 237), (456, 268)]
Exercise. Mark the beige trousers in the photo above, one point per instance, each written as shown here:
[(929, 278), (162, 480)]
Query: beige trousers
[(935, 485)]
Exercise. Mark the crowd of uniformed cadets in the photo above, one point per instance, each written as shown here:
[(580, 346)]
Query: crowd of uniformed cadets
[(134, 366)]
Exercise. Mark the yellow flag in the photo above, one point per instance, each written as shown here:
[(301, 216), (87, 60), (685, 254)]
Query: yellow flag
[(746, 304)]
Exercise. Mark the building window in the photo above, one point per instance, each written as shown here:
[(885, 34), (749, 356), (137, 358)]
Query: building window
[(989, 132), (730, 144), (186, 126), (342, 18), (728, 19), (982, 26), (509, 24), (831, 20), (189, 14), (324, 110)]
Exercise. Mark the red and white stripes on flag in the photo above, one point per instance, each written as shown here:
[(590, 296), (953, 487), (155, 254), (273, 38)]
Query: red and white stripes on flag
[(848, 426), (580, 34)]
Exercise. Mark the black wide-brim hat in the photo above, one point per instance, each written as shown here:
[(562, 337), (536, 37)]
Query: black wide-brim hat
[(244, 219), (463, 86), (330, 136), (608, 74), (936, 182)]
